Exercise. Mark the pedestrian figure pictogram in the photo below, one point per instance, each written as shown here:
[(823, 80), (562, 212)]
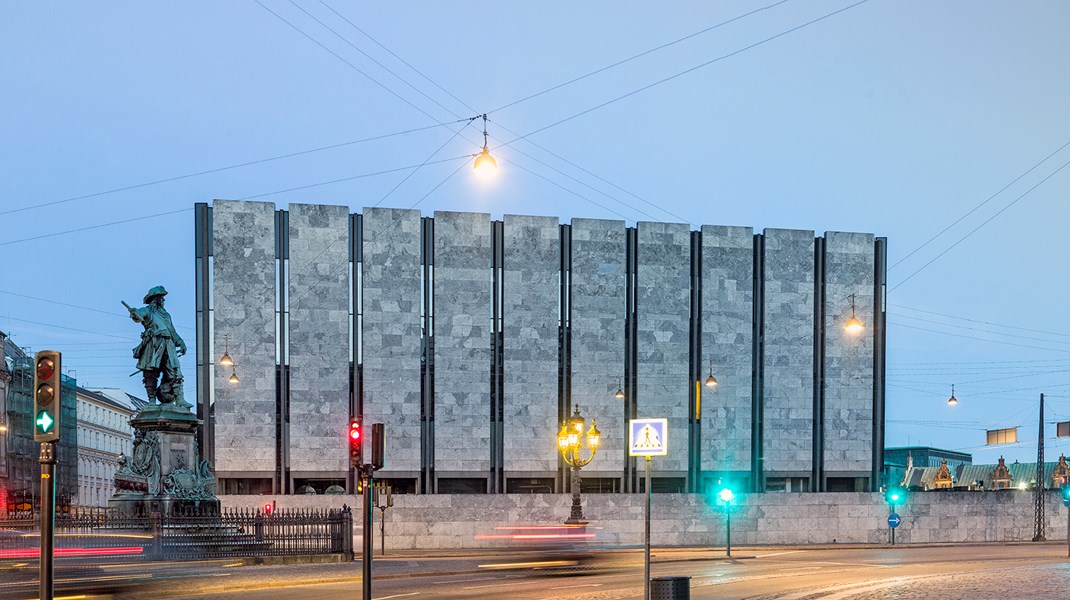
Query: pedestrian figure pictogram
[(648, 437)]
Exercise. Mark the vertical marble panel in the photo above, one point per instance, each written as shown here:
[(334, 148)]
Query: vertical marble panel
[(243, 272), (727, 321), (789, 351), (463, 312), (848, 357), (598, 281), (532, 292), (663, 299), (392, 333), (319, 290)]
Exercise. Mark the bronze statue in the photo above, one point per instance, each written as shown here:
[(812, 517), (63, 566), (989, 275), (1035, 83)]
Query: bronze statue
[(157, 354)]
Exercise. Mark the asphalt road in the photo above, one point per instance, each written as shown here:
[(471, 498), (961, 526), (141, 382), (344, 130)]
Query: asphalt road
[(949, 572)]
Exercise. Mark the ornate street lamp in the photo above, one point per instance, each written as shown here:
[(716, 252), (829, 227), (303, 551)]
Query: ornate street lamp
[(570, 441)]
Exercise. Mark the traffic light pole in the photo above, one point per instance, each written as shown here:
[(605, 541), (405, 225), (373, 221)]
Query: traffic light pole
[(48, 516), (890, 527), (366, 533), (728, 529)]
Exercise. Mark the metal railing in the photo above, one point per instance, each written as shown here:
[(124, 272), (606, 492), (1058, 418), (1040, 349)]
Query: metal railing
[(189, 535)]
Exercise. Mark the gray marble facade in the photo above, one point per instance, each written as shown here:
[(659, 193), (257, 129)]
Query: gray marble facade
[(318, 338), (391, 280), (789, 352), (598, 282), (848, 447), (531, 293), (243, 300), (463, 312), (663, 296), (727, 321), (392, 289)]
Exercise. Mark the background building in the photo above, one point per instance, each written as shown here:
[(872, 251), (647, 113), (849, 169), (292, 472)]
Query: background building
[(20, 486), (471, 339), (104, 432)]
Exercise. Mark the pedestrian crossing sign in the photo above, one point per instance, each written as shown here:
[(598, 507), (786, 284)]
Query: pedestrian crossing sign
[(648, 437)]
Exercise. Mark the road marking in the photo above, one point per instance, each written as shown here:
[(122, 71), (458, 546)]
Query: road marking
[(847, 590), (397, 596), (778, 553), (569, 587)]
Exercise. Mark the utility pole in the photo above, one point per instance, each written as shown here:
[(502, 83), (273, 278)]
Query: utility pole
[(1038, 511)]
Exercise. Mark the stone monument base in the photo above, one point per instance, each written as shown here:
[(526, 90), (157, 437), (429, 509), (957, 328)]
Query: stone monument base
[(165, 473)]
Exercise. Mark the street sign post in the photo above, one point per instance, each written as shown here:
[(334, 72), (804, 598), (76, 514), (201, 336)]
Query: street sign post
[(647, 438)]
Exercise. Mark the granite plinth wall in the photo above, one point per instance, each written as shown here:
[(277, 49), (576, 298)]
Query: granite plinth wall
[(662, 344), (531, 311), (463, 313), (598, 276), (244, 273), (318, 337), (848, 413), (392, 291), (789, 352), (452, 521), (727, 321)]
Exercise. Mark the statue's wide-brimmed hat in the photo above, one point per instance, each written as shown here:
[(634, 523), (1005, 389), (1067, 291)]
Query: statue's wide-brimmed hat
[(156, 292)]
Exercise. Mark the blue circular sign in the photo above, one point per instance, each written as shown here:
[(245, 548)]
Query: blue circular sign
[(1066, 501), (894, 520)]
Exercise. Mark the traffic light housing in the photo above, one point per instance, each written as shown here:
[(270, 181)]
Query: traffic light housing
[(895, 495), (356, 442), (378, 445), (46, 396)]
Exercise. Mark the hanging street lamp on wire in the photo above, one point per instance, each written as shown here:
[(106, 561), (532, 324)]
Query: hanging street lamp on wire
[(853, 325), (485, 166), (711, 381), (952, 400)]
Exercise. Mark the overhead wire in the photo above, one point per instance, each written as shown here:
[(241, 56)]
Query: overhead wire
[(971, 337), (221, 169), (975, 208), (967, 327), (687, 71), (640, 55), (976, 229), (979, 321)]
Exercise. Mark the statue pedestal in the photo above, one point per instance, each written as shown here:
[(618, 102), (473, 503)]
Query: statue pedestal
[(165, 473)]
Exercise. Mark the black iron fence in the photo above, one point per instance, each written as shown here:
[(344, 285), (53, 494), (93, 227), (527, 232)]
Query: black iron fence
[(187, 535)]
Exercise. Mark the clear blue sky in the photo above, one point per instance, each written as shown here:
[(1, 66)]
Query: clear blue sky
[(891, 117)]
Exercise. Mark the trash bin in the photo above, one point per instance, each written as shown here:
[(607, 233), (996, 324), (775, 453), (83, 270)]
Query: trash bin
[(670, 588)]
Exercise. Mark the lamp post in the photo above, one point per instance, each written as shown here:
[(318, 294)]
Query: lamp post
[(570, 441), (726, 495)]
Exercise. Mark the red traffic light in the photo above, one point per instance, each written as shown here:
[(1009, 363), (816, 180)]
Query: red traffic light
[(354, 432), (268, 508), (46, 367)]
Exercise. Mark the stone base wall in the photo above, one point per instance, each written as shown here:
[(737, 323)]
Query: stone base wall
[(446, 521)]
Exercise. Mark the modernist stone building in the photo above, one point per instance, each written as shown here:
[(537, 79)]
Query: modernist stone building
[(472, 338)]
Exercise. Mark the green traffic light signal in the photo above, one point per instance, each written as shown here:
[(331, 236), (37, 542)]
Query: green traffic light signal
[(1066, 492), (726, 495), (44, 421)]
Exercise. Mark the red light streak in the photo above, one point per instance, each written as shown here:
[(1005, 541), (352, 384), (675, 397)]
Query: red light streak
[(69, 552)]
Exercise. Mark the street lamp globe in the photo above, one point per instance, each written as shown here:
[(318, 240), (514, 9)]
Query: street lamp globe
[(594, 437)]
